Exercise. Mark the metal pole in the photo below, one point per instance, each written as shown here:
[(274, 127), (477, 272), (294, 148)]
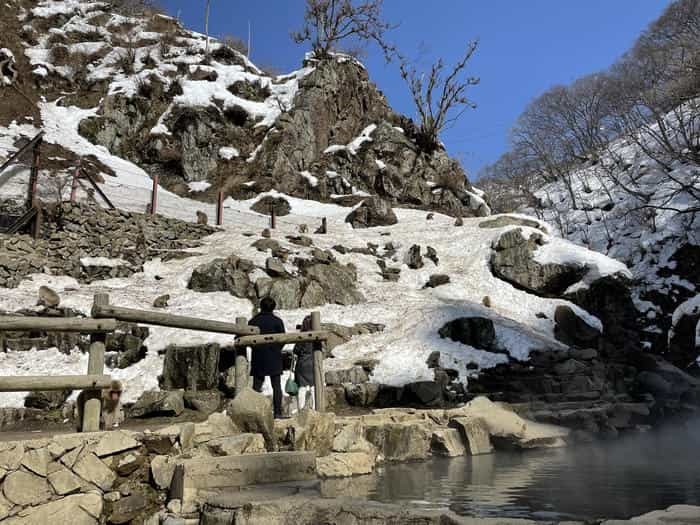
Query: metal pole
[(154, 195), (241, 362), (319, 378), (220, 209), (273, 219)]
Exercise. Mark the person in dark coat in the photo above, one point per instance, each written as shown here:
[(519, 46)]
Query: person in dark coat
[(304, 369), (267, 359)]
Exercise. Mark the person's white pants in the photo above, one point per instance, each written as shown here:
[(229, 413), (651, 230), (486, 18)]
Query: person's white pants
[(305, 398)]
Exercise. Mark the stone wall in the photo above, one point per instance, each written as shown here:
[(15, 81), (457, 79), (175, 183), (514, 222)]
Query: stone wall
[(90, 243)]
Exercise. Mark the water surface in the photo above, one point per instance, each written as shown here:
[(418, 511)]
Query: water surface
[(617, 479)]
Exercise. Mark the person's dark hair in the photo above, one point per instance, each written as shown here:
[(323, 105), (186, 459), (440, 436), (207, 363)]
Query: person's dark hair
[(267, 305)]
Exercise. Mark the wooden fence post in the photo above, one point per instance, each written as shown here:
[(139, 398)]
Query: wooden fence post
[(324, 225), (96, 365), (241, 362), (319, 376), (154, 195), (36, 230), (273, 218), (220, 209), (33, 175), (74, 185)]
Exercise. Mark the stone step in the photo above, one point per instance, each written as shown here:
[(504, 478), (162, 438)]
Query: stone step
[(247, 469)]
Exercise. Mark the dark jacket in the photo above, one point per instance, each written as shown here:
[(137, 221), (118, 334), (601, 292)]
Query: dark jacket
[(267, 359), (304, 369)]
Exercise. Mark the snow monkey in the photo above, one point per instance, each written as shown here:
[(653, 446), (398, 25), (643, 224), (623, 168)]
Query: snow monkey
[(112, 413)]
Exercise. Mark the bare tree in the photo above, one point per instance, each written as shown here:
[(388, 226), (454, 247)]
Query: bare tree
[(440, 96), (330, 25)]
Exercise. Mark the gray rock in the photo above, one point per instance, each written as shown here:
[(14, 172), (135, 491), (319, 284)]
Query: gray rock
[(414, 260), (354, 375), (373, 212), (437, 279), (154, 403), (274, 267), (265, 204), (572, 329), (512, 260), (478, 332), (191, 367), (46, 400), (252, 412), (205, 401), (223, 275), (501, 221)]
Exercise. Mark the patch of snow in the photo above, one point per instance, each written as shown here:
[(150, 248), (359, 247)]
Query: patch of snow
[(313, 181), (353, 146), (102, 261), (689, 308), (198, 186), (228, 152)]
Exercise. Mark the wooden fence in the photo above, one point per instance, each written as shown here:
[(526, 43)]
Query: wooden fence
[(92, 382), (105, 319)]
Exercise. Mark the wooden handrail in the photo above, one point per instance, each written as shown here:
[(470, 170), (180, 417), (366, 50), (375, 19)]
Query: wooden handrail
[(291, 337), (17, 154), (31, 383), (94, 184), (174, 321), (56, 324)]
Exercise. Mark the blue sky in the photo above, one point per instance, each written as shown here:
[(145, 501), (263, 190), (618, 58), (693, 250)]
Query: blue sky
[(525, 47)]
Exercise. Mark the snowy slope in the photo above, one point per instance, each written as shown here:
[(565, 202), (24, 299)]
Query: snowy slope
[(412, 315), (632, 209)]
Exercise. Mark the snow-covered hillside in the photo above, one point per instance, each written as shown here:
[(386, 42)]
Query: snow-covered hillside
[(412, 314), (630, 207), (374, 153)]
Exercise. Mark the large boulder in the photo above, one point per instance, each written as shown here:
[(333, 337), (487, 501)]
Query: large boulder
[(338, 282), (344, 464), (46, 400), (155, 403), (191, 367), (478, 332), (224, 275), (252, 412), (474, 434), (265, 204), (372, 212), (513, 260), (573, 329), (309, 430), (78, 509), (400, 441)]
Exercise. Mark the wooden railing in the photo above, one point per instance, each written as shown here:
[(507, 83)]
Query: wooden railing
[(105, 317), (91, 383), (249, 336)]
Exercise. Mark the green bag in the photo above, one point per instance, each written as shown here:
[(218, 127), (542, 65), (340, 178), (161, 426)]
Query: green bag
[(291, 387)]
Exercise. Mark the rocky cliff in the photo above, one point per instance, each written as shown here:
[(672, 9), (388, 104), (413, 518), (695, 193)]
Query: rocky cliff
[(160, 98)]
